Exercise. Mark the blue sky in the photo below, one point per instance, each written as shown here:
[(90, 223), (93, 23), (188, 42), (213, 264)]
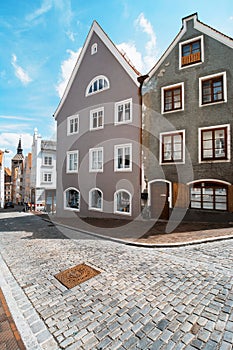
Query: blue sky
[(41, 39)]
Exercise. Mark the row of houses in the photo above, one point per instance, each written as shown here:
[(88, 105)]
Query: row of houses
[(32, 178), (158, 144)]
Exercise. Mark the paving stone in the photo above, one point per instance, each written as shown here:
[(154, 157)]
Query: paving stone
[(144, 298)]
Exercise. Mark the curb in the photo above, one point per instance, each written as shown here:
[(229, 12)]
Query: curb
[(145, 245)]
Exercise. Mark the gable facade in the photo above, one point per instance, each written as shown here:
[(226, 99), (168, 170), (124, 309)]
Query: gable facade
[(98, 135), (187, 136)]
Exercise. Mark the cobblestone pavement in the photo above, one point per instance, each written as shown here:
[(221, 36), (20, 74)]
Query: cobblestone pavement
[(176, 298)]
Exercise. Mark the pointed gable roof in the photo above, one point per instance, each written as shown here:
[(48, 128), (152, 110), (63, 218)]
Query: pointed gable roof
[(126, 64), (200, 26)]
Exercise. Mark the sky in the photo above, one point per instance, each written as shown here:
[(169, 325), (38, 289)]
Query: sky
[(40, 41)]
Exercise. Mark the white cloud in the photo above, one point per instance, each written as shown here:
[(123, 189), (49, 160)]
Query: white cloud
[(71, 35), (19, 71), (14, 117), (150, 46), (14, 126), (45, 7), (67, 67), (131, 52)]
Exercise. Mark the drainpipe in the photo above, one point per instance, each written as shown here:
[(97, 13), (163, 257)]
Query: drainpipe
[(141, 80)]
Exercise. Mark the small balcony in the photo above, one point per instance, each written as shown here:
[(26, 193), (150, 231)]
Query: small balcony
[(192, 58)]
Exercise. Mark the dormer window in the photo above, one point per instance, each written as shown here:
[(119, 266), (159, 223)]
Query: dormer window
[(97, 84), (191, 52), (94, 48)]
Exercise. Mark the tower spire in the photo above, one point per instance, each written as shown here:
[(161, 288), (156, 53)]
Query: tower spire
[(19, 149)]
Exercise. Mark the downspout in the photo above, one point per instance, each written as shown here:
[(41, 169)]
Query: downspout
[(141, 80)]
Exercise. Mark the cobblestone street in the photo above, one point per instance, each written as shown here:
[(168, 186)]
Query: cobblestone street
[(173, 298)]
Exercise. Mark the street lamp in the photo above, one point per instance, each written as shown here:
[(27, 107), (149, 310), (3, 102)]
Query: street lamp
[(2, 178)]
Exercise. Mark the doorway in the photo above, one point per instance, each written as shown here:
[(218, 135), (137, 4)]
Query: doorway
[(159, 200)]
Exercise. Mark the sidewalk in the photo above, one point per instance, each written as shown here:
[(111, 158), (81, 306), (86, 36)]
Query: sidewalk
[(148, 233), (10, 338)]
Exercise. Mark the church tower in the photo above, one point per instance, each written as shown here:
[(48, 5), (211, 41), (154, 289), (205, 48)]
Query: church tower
[(17, 175)]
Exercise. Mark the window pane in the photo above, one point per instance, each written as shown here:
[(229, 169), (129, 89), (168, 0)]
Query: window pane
[(120, 113), (127, 111), (208, 205), (72, 199), (196, 205), (120, 158), (96, 199), (123, 202), (186, 50), (95, 85), (101, 84)]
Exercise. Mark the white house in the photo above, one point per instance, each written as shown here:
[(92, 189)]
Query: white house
[(43, 174)]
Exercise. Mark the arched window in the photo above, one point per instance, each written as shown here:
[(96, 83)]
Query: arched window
[(94, 48), (208, 195), (72, 199), (97, 84), (96, 199), (122, 202)]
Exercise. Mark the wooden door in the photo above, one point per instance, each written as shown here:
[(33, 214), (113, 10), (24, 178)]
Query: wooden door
[(159, 200)]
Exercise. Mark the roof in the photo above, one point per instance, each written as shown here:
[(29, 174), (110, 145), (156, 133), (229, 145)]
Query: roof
[(7, 171), (121, 58), (200, 26), (48, 145), (18, 157), (1, 157)]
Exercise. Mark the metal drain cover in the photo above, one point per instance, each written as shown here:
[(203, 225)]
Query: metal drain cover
[(76, 275)]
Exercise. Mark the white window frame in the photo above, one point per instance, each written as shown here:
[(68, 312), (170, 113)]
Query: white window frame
[(72, 117), (228, 144), (97, 110), (201, 79), (91, 151), (97, 78), (68, 153), (173, 86), (90, 200), (187, 42), (161, 146), (115, 203), (48, 157), (116, 147), (124, 102), (64, 198), (94, 48), (46, 174)]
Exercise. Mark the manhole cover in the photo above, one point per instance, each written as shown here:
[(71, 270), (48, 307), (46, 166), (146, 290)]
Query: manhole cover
[(76, 275)]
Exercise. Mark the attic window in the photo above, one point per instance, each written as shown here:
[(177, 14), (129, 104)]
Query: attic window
[(97, 84), (94, 49), (191, 52)]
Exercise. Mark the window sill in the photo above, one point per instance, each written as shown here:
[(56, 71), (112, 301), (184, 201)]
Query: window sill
[(71, 209)]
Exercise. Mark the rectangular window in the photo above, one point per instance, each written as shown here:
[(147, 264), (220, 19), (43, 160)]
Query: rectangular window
[(172, 98), (72, 162), (47, 160), (123, 157), (97, 119), (72, 125), (207, 195), (214, 143), (47, 177), (212, 89), (191, 52), (123, 112), (96, 159), (172, 147)]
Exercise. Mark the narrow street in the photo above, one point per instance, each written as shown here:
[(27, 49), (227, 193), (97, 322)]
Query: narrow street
[(168, 298)]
